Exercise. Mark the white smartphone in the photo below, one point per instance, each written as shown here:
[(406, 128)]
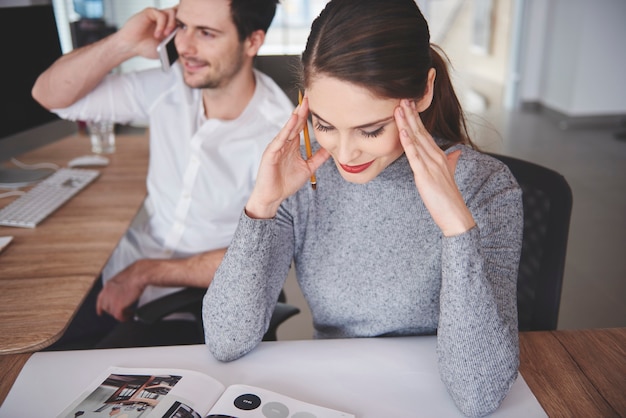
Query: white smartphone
[(167, 51)]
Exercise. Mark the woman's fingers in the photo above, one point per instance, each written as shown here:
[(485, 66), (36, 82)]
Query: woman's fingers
[(289, 167), (290, 132), (283, 169), (433, 172), (283, 153), (418, 143), (286, 138), (416, 129), (317, 159)]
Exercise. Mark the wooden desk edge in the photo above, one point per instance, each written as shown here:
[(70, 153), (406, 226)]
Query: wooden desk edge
[(10, 367), (32, 348)]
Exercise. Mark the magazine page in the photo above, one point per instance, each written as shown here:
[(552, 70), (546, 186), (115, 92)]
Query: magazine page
[(243, 401), (123, 392)]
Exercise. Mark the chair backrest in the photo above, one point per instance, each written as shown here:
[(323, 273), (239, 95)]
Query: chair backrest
[(283, 69), (547, 200)]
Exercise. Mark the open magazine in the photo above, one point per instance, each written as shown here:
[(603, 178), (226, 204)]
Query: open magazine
[(174, 393)]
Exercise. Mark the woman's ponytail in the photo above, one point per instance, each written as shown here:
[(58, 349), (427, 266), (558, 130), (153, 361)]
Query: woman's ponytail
[(444, 118)]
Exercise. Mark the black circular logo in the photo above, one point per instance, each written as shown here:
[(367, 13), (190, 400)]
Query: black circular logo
[(247, 402)]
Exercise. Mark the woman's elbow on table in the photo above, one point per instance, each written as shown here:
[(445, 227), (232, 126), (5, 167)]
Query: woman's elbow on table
[(483, 399), (226, 346)]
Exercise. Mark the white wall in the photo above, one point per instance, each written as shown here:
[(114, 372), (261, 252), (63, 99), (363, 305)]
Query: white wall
[(573, 57), (601, 63)]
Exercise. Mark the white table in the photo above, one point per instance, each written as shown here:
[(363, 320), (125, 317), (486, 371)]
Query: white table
[(373, 377)]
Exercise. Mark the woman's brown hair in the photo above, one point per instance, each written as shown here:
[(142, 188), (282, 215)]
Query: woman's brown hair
[(385, 47)]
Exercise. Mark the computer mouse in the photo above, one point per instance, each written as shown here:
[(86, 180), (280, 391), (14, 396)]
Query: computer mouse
[(89, 160)]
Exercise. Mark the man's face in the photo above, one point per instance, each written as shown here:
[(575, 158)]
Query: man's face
[(208, 43)]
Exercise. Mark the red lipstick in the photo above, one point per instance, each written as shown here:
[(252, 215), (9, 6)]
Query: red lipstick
[(354, 169)]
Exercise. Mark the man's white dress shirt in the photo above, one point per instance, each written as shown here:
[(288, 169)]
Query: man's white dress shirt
[(201, 170)]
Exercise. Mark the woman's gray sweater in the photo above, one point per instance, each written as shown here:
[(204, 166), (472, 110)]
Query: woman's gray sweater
[(371, 262)]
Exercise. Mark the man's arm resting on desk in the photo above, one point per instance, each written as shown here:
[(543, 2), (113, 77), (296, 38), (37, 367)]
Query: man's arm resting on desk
[(121, 291)]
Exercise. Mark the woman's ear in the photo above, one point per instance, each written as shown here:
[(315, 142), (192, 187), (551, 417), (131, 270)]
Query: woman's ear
[(424, 103)]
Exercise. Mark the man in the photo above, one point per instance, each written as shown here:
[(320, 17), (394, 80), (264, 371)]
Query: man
[(210, 117)]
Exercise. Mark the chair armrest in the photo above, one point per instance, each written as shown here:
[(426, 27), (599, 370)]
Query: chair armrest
[(190, 300), (282, 312), (186, 300)]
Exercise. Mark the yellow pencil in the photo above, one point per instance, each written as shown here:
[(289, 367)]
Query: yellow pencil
[(307, 143)]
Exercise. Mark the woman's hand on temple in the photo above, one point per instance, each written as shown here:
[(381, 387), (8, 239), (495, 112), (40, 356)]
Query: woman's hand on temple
[(433, 171), (283, 170)]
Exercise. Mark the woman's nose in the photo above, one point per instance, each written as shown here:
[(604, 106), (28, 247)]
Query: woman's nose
[(346, 150)]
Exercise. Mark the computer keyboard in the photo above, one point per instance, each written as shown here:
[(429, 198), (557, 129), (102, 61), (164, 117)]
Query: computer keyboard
[(35, 205)]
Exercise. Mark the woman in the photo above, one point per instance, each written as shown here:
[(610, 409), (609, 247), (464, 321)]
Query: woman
[(410, 230)]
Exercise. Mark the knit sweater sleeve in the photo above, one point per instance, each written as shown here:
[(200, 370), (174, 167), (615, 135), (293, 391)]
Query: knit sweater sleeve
[(478, 347), (239, 303)]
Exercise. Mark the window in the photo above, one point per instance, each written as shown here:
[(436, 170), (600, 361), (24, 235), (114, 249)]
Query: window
[(290, 27)]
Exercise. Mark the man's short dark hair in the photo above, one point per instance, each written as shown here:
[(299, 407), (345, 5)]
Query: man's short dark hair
[(252, 15)]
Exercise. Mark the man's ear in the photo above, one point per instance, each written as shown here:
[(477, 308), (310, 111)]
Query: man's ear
[(424, 103), (253, 43)]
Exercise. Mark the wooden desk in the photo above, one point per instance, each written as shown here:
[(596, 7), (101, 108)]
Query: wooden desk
[(578, 373), (571, 373), (47, 271)]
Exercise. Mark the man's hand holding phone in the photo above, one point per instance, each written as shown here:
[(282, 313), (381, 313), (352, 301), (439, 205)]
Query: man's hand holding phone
[(167, 51), (143, 32)]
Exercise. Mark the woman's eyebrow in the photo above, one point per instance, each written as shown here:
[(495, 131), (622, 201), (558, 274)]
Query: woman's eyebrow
[(367, 125), (378, 122)]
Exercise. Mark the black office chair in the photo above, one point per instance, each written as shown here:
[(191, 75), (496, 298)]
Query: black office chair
[(547, 200)]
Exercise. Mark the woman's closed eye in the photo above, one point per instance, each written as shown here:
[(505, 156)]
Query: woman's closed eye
[(323, 128), (374, 133), (367, 134)]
